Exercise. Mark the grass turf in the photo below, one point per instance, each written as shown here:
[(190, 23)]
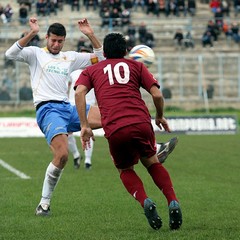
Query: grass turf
[(94, 204)]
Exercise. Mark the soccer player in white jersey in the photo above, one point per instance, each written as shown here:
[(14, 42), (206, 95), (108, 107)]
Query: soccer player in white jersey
[(50, 69), (91, 100)]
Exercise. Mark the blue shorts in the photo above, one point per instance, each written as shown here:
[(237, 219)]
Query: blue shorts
[(58, 118)]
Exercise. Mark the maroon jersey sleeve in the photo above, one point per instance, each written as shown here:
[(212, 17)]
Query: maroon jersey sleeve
[(84, 79), (147, 79)]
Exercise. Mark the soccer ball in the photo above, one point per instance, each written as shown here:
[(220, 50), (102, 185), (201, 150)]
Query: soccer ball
[(142, 53)]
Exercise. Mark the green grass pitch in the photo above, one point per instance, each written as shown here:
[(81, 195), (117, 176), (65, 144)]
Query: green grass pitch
[(94, 204)]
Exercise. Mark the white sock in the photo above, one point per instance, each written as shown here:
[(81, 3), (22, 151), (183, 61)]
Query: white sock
[(72, 145), (51, 179), (88, 153), (158, 147)]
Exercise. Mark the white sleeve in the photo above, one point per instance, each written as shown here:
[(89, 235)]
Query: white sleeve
[(99, 53), (21, 54)]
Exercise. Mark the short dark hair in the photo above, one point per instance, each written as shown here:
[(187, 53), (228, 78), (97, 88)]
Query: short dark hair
[(114, 45), (57, 29)]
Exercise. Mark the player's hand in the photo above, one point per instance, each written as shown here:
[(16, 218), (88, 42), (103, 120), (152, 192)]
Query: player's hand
[(162, 124), (33, 23), (85, 27), (86, 135)]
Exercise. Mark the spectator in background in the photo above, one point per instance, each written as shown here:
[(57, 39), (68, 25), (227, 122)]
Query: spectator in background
[(2, 14), (214, 4), (178, 38), (218, 16), (51, 7), (139, 3), (28, 3), (188, 40), (116, 4), (25, 93), (131, 31), (8, 11), (104, 4), (131, 36), (130, 42), (236, 7), (191, 7), (115, 16), (226, 28), (60, 4), (128, 4), (142, 30), (23, 14), (8, 83), (125, 17), (213, 28), (91, 3), (75, 4), (105, 15), (225, 7), (41, 7), (4, 94), (161, 7), (151, 7), (180, 7), (149, 39), (81, 44), (171, 8), (207, 39), (235, 32)]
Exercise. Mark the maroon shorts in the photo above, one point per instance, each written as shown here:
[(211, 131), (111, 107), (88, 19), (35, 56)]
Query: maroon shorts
[(130, 143)]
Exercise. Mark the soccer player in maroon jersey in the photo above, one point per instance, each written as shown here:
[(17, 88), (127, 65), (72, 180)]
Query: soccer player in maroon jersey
[(127, 125)]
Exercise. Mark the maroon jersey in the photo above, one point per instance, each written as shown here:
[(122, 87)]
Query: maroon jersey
[(117, 85)]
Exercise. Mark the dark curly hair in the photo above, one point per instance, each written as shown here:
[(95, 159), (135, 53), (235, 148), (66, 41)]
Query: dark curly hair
[(114, 45)]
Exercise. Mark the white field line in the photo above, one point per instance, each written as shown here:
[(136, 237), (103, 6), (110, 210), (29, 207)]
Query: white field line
[(13, 170)]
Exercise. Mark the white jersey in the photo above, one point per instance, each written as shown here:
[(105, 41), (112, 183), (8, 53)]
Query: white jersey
[(90, 96), (50, 73)]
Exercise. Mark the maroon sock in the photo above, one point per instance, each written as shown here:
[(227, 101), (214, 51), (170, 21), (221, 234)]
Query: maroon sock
[(134, 185), (163, 181)]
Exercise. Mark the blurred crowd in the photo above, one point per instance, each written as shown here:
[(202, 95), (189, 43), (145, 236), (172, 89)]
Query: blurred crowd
[(117, 14)]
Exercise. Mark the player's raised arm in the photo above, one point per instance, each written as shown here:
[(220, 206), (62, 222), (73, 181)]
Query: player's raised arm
[(87, 30), (34, 29)]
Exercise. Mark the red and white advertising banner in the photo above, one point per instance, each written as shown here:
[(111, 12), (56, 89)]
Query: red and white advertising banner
[(27, 126)]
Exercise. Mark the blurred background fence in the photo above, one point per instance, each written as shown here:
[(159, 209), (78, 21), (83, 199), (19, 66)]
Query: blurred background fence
[(185, 80)]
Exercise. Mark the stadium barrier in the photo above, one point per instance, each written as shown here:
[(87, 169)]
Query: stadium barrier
[(201, 79), (27, 126)]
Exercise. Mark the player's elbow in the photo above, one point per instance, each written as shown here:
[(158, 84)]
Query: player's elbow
[(80, 93), (156, 93)]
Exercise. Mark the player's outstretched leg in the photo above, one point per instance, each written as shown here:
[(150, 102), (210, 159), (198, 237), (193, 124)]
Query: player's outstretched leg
[(166, 148), (151, 213), (175, 215)]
